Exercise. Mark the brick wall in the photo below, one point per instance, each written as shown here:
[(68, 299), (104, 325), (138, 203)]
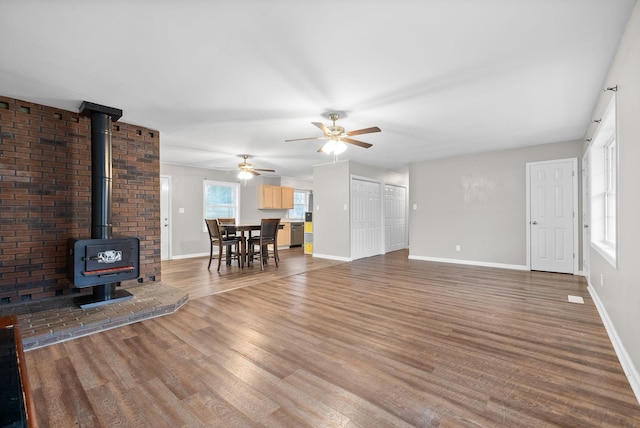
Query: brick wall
[(45, 195)]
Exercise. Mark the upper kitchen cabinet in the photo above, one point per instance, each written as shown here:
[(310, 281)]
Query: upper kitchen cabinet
[(274, 197), (287, 197)]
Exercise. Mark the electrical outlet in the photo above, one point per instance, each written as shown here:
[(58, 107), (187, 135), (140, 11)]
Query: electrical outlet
[(601, 280), (458, 248)]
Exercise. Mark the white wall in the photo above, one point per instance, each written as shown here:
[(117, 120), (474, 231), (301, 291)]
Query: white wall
[(296, 183), (330, 219), (619, 296), (477, 202)]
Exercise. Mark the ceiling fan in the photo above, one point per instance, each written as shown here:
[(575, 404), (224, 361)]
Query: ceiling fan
[(247, 171), (338, 136)]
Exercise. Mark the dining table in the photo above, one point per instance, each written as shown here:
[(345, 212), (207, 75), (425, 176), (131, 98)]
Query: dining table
[(242, 228)]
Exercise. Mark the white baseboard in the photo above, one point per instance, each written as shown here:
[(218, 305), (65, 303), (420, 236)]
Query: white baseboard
[(326, 256), (470, 262), (625, 361), (189, 256)]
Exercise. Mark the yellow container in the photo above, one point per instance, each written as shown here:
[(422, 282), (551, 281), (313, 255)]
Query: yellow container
[(308, 248), (308, 227)]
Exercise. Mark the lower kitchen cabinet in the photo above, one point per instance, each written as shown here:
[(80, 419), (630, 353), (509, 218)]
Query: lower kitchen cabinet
[(284, 235)]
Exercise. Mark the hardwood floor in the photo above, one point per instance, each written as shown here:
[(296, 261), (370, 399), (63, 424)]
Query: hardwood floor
[(383, 341), (188, 274)]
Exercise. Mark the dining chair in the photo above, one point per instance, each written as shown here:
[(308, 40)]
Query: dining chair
[(268, 236), (230, 234), (226, 220), (220, 241)]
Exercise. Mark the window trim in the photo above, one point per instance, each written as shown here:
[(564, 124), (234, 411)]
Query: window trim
[(603, 176), (236, 197), (610, 192)]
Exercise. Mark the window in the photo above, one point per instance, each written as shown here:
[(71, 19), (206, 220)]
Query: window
[(610, 193), (300, 204), (220, 199), (603, 160)]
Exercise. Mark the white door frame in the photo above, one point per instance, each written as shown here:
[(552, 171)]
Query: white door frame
[(574, 192), (165, 221)]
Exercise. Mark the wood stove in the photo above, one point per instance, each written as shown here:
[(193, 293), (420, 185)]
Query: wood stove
[(102, 261), (94, 262)]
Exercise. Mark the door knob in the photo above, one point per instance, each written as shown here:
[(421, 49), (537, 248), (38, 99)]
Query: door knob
[(534, 222)]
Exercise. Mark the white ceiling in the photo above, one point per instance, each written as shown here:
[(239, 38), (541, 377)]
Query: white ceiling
[(220, 78)]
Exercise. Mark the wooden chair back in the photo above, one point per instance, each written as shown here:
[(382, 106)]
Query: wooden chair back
[(269, 229), (226, 220), (228, 233), (214, 229)]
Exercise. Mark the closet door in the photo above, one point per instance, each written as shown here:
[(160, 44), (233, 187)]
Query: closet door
[(395, 218), (366, 218)]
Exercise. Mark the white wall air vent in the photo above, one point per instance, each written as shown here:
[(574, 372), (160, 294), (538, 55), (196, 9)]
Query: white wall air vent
[(575, 299)]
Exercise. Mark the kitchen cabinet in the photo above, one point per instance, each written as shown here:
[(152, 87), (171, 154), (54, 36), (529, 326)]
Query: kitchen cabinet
[(284, 235), (269, 197), (274, 197), (287, 197)]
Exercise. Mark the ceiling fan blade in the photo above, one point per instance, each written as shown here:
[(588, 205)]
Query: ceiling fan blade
[(308, 138), (357, 143), (264, 170), (323, 128), (252, 171), (364, 131)]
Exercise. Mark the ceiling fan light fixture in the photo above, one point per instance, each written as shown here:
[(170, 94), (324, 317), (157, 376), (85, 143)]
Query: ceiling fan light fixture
[(339, 147), (245, 175), (334, 146), (338, 137), (329, 147)]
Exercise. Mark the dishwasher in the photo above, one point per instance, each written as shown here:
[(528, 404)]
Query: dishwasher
[(297, 234)]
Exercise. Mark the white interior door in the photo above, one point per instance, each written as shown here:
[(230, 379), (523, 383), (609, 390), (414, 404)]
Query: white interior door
[(552, 215), (165, 217), (395, 203), (366, 219)]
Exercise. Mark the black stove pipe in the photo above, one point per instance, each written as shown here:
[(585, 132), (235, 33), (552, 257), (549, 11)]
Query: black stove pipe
[(101, 176), (101, 181)]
